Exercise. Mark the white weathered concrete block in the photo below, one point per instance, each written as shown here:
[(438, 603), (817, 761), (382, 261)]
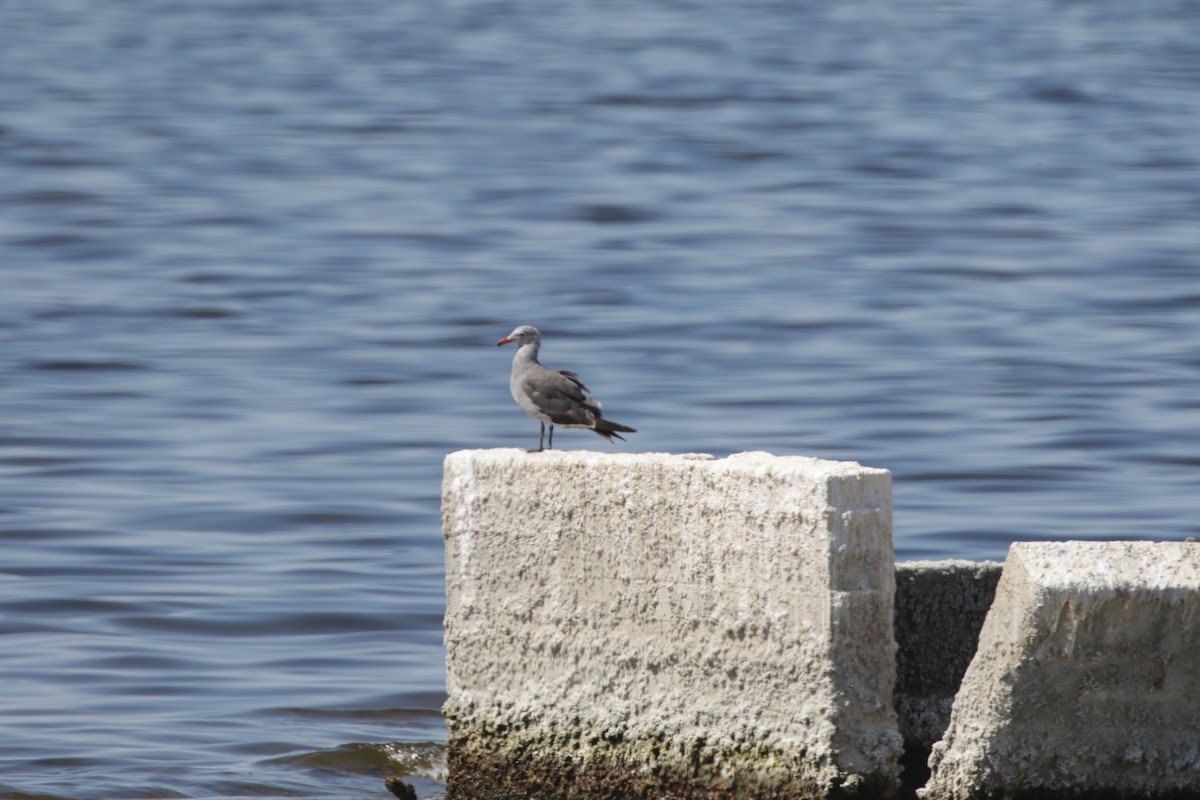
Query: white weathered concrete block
[(664, 626), (1086, 681)]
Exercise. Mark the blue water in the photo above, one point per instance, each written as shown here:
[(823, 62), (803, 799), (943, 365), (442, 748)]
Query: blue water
[(256, 256)]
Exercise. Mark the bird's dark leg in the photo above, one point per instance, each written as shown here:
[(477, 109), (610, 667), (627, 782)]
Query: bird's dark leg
[(541, 435), (551, 437)]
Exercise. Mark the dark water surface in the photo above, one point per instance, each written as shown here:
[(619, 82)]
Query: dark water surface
[(256, 256)]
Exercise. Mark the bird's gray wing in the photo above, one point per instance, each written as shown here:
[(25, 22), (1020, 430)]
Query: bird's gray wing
[(573, 378), (560, 396)]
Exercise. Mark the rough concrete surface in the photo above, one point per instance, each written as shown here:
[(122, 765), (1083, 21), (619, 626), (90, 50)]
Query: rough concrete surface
[(664, 626), (940, 608), (1086, 681)]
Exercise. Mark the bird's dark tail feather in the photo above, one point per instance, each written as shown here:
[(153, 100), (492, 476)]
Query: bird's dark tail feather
[(608, 429)]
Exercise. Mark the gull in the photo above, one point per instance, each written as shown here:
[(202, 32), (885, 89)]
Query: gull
[(553, 397)]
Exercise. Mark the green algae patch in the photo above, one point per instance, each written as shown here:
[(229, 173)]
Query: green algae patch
[(498, 762)]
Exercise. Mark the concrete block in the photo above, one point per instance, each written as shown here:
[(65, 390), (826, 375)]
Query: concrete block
[(940, 608), (668, 626), (1086, 681)]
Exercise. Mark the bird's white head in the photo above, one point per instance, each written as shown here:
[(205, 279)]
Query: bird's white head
[(522, 335)]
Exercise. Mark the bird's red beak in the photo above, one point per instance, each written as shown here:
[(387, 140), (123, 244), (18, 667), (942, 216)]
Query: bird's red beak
[(505, 340)]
